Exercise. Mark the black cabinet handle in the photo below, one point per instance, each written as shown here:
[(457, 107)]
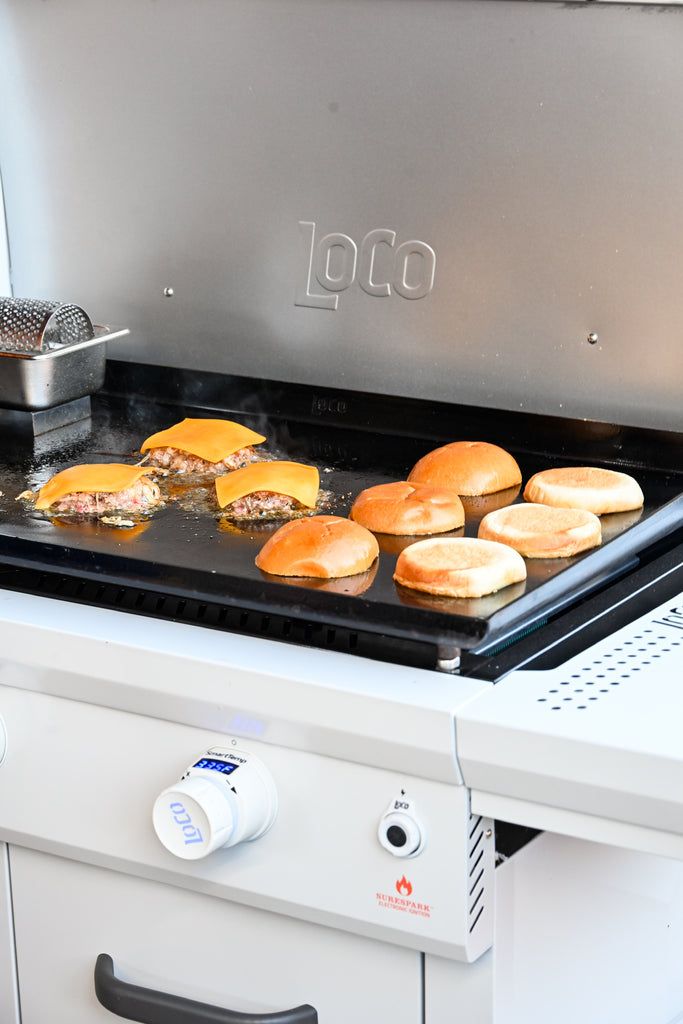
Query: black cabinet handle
[(148, 1006)]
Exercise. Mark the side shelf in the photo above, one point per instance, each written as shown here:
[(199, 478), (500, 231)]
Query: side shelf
[(591, 748)]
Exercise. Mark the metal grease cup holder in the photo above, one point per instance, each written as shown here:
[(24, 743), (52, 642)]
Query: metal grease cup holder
[(50, 354)]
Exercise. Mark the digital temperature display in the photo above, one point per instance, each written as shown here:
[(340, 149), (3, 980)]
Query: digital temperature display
[(216, 766)]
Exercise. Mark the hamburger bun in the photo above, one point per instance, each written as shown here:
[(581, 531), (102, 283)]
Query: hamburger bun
[(405, 508), (480, 607), (326, 547), (539, 531), (588, 487), (468, 467), (459, 567)]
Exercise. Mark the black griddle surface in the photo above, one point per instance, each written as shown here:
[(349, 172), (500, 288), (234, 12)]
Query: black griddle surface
[(186, 551)]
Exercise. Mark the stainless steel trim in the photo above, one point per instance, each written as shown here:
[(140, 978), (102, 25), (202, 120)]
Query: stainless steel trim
[(102, 334), (38, 381)]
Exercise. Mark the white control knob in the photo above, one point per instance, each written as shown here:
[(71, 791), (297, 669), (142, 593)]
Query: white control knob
[(400, 832), (3, 740), (226, 797)]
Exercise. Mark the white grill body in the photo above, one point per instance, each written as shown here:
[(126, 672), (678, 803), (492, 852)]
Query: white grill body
[(92, 743)]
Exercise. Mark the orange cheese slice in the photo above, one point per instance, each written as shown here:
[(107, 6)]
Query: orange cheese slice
[(108, 478), (211, 440), (290, 478)]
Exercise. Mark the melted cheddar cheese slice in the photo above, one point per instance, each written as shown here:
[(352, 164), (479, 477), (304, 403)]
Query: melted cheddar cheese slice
[(211, 440), (108, 478), (290, 478)]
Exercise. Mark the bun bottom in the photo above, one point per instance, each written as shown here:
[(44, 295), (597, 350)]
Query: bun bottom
[(541, 531), (600, 491), (459, 567)]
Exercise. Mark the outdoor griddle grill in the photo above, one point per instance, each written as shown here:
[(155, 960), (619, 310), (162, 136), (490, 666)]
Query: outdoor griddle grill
[(365, 228), (188, 552)]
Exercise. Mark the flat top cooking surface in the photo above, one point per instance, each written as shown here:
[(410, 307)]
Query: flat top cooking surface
[(185, 550)]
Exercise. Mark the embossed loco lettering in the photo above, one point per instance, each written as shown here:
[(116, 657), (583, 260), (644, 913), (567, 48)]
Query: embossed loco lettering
[(331, 265)]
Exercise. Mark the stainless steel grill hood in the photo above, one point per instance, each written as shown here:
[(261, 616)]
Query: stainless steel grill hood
[(478, 188)]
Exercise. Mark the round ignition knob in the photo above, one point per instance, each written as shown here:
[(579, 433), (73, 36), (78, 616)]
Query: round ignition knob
[(401, 834), (226, 797)]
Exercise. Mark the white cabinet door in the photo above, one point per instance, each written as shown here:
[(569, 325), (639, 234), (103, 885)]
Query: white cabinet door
[(191, 945), (9, 999)]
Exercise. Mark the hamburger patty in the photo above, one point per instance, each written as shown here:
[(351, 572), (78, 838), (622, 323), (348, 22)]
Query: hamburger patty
[(143, 495), (261, 504), (178, 461)]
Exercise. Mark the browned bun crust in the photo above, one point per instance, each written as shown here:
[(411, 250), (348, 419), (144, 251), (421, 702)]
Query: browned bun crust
[(588, 487), (539, 531), (458, 567), (405, 508), (326, 547), (468, 467)]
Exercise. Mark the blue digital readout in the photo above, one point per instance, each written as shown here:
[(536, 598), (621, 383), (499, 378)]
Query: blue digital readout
[(216, 766)]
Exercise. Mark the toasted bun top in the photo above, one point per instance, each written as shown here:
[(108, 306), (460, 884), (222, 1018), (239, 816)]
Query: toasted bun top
[(588, 487), (468, 467), (291, 478), (405, 508), (103, 478), (323, 546), (211, 440), (459, 566), (540, 531)]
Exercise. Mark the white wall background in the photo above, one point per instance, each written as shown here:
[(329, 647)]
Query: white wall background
[(5, 288)]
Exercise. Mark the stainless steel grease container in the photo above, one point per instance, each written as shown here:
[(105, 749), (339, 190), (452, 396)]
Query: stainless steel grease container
[(50, 353)]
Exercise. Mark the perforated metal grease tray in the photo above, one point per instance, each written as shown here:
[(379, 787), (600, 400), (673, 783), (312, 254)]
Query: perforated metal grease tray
[(50, 353)]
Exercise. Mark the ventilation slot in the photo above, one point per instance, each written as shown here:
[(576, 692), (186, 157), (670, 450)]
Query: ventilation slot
[(216, 616), (477, 863), (582, 688)]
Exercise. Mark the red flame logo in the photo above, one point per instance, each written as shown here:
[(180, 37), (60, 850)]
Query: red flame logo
[(403, 887)]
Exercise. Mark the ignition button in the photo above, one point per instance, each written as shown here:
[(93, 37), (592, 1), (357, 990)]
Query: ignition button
[(396, 835), (400, 832)]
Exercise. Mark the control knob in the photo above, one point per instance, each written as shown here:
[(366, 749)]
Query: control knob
[(226, 797)]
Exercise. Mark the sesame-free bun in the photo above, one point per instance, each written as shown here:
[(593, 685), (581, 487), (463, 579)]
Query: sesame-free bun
[(459, 567), (540, 531), (405, 508), (596, 490), (323, 546), (468, 467)]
